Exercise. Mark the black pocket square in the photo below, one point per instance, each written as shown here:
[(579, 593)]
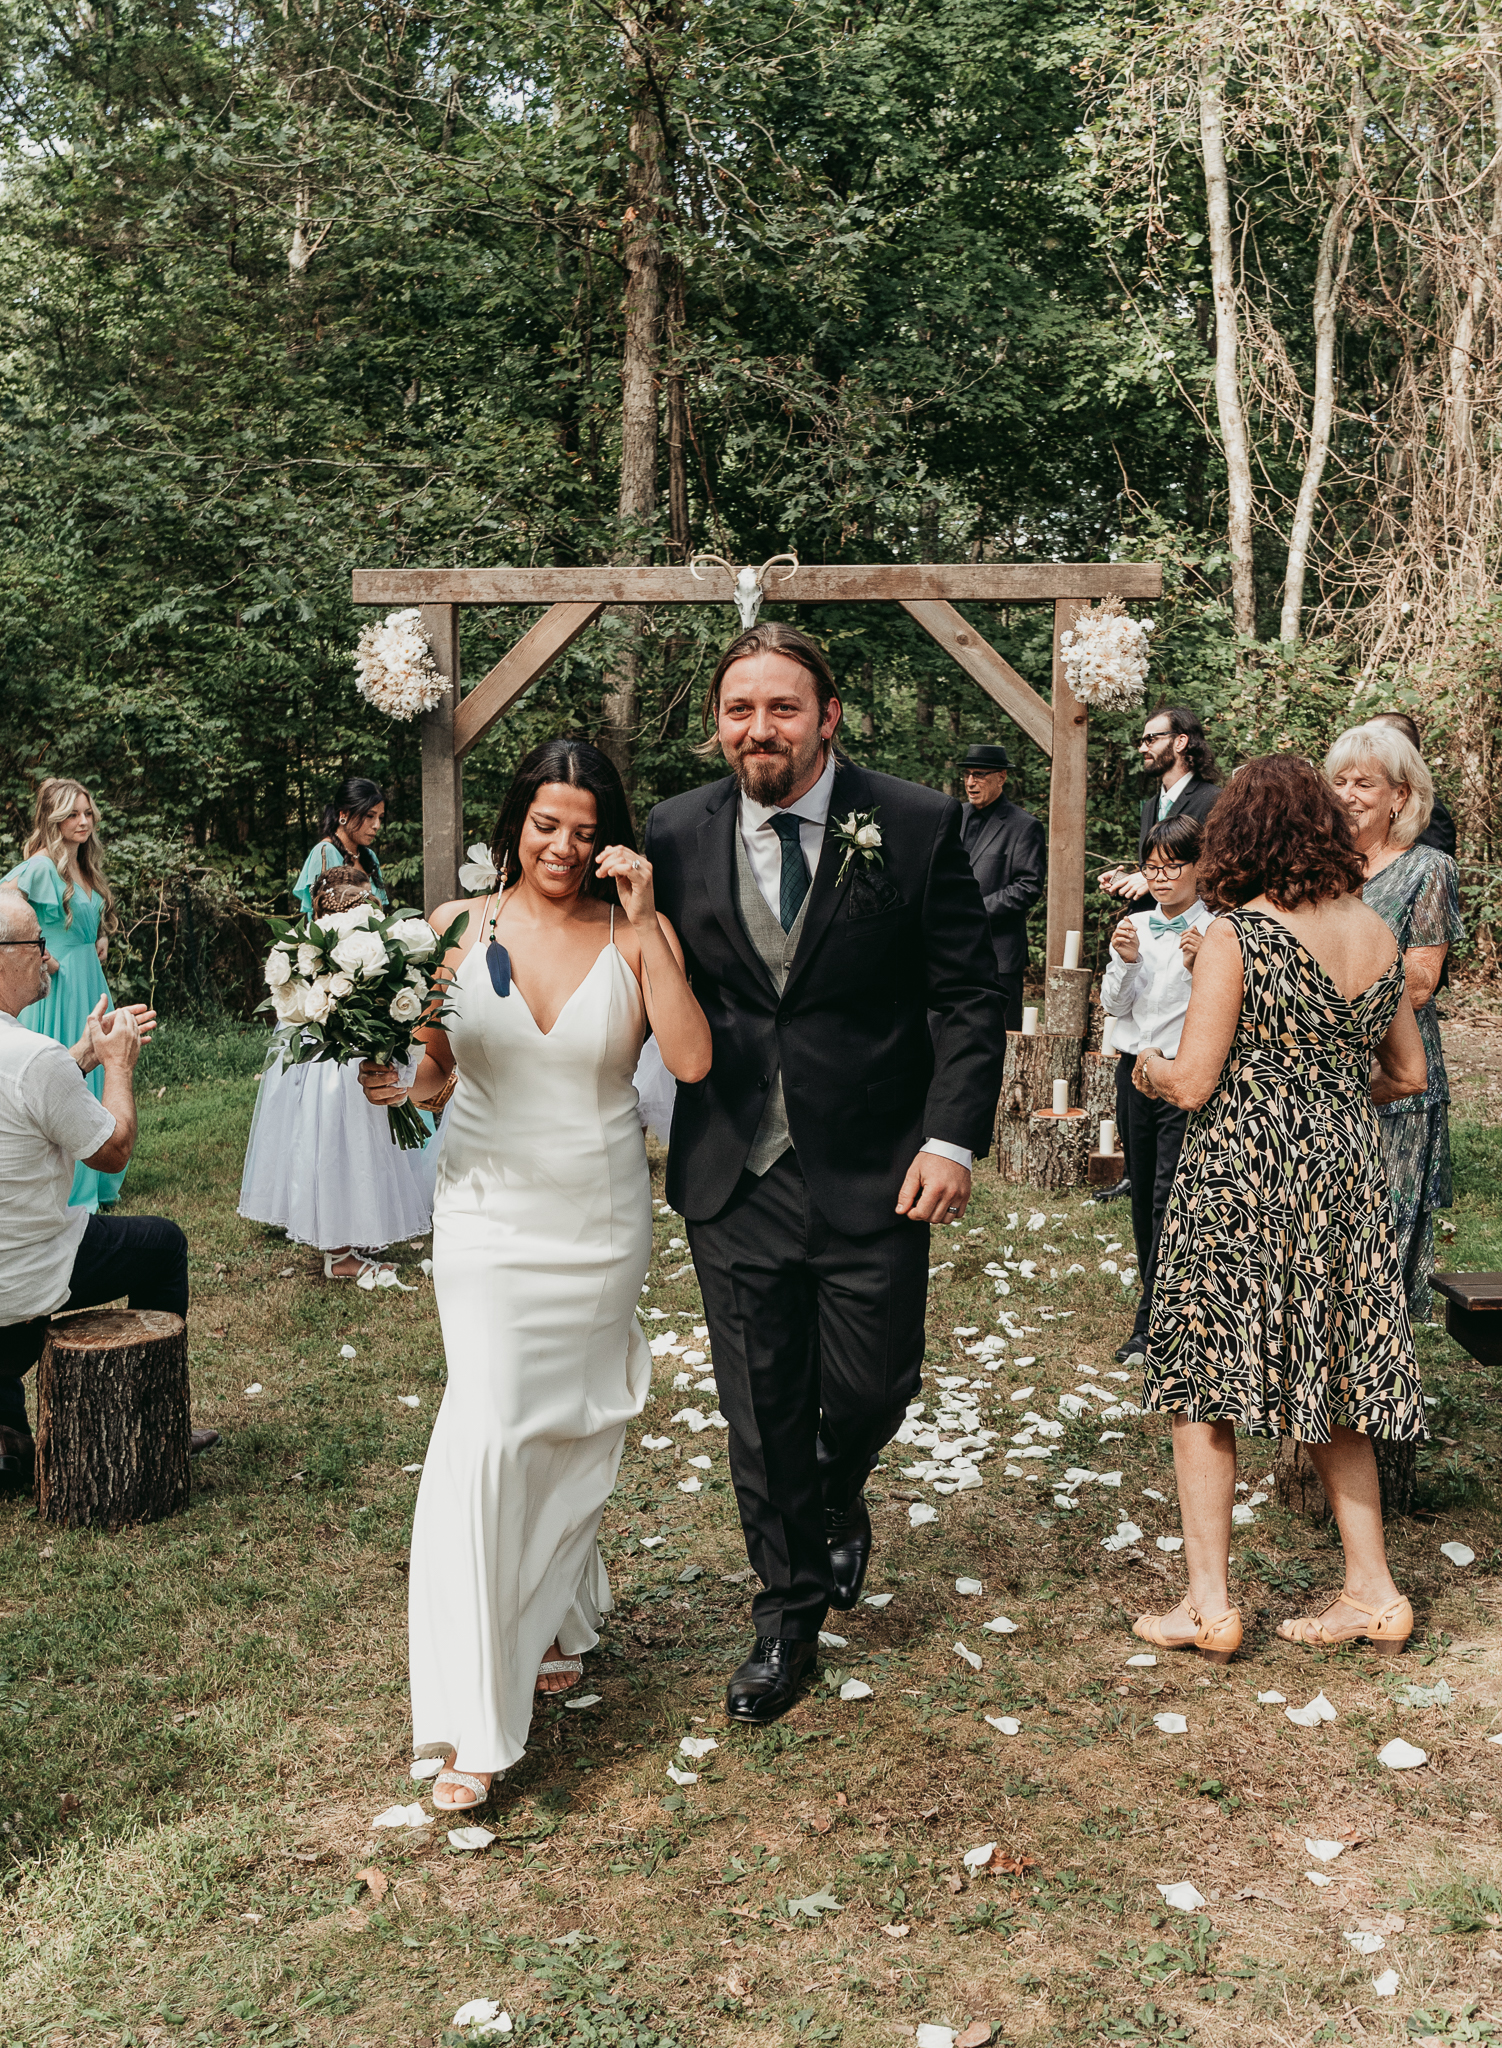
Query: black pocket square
[(871, 894)]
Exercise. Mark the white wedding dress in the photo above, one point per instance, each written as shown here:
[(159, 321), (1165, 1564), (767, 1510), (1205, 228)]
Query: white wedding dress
[(542, 1234)]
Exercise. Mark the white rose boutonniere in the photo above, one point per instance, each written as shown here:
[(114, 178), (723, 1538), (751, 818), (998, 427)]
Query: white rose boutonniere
[(860, 835)]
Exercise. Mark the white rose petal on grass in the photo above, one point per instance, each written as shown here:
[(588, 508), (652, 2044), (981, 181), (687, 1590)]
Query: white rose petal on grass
[(702, 1464), (877, 1600), (255, 1388), (1143, 1661), (651, 1542), (586, 1699), (1111, 1436), (1399, 1755), (410, 1400), (1000, 1626), (833, 1642), (1271, 1699), (1458, 1553), (402, 1817), (1319, 1877), (348, 1351), (1005, 1723), (1152, 1493), (470, 1838), (1386, 1986), (1127, 1533), (1182, 1897), (682, 1777), (935, 2037), (690, 1485), (657, 1443), (855, 1689), (977, 1859), (697, 1745), (412, 1468), (425, 1767), (919, 1513), (968, 1586), (1319, 1709), (1241, 1515), (1022, 1393), (1170, 1543), (1365, 1944), (1494, 1738), (967, 1656), (484, 2015), (1323, 1852), (1171, 1724)]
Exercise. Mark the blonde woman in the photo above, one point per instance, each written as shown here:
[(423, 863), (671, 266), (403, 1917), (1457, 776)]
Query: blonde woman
[(62, 877), (1380, 780)]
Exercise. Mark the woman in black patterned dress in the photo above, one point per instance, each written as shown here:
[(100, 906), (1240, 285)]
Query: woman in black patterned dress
[(1279, 1305)]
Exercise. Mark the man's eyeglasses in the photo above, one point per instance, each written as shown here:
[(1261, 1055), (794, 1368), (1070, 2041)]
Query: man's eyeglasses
[(1150, 739), (40, 944), (1164, 871)]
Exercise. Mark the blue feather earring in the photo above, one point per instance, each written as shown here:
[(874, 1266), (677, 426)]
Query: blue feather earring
[(497, 959)]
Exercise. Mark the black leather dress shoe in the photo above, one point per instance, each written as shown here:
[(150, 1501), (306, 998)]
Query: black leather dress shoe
[(770, 1680), (848, 1534), (202, 1440)]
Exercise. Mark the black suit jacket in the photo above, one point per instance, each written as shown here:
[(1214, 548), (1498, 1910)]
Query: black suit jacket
[(1195, 799), (891, 1028), (1009, 856), (1440, 831)]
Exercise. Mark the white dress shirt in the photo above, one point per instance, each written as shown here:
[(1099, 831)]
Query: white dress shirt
[(1168, 796), (764, 851), (49, 1120), (1150, 994)]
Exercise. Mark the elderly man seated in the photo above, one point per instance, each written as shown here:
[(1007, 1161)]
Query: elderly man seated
[(52, 1256)]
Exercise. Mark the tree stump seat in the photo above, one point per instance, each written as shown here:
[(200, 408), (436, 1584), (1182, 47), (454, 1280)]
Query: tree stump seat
[(113, 1429), (1473, 1312)]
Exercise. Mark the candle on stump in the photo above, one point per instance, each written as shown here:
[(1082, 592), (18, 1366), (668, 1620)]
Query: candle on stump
[(1060, 1098), (1029, 1023), (1107, 1134), (1071, 949), (1108, 1036)]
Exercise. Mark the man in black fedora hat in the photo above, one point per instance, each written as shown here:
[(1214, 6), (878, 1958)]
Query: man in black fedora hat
[(1008, 852)]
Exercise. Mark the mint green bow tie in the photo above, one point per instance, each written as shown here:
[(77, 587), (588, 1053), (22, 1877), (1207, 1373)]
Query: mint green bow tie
[(1159, 925)]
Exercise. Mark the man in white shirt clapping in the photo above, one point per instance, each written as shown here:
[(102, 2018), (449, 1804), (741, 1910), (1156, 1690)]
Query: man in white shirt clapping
[(1146, 988)]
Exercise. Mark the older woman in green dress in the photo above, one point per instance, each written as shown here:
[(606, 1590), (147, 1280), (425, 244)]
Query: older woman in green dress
[(1380, 778)]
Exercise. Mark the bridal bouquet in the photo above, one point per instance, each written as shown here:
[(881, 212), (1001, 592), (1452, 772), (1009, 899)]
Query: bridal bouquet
[(1105, 656), (356, 984)]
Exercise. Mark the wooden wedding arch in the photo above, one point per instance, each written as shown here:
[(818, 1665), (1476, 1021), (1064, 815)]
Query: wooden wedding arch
[(928, 592)]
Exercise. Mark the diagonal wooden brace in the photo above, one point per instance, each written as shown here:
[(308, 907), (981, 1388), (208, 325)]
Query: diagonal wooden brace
[(979, 659), (540, 645)]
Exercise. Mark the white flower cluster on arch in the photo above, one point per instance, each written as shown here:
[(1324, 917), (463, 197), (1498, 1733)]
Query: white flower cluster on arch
[(395, 669), (1105, 656)]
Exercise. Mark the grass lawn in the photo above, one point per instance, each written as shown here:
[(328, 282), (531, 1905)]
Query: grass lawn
[(201, 1718)]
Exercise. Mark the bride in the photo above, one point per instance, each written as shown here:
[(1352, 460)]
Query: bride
[(542, 1233)]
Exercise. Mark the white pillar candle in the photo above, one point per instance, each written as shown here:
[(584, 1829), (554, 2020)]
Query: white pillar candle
[(1071, 949), (1060, 1098), (1107, 1134), (1108, 1036), (1029, 1023)]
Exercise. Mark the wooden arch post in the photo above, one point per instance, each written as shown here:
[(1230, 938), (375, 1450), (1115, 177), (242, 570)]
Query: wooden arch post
[(928, 592)]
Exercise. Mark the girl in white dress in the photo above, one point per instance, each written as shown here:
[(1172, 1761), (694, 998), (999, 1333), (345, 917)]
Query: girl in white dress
[(542, 1233)]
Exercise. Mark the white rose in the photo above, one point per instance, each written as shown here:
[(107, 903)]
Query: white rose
[(309, 960), (318, 1002), (287, 1001), (361, 953), (414, 935), (338, 985), (868, 835), (360, 919), (278, 968), (406, 1006)]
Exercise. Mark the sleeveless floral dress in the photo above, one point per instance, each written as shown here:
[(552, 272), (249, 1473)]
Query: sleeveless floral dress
[(1279, 1301)]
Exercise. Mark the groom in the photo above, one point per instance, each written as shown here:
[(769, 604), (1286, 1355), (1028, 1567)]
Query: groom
[(850, 985)]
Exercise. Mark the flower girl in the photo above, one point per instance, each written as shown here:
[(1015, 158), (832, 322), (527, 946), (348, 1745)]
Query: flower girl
[(321, 1163)]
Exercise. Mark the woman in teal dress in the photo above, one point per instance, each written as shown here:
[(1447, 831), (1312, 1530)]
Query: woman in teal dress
[(1380, 778), (347, 836), (62, 878)]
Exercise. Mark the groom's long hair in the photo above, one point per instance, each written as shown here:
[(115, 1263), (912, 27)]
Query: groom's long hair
[(770, 638)]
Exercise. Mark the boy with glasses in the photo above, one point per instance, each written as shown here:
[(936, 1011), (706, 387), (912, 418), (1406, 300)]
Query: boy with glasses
[(1146, 989)]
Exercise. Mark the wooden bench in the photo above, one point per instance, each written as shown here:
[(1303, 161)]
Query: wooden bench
[(1473, 1312)]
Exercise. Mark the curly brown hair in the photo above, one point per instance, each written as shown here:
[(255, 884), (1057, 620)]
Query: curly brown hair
[(1278, 832)]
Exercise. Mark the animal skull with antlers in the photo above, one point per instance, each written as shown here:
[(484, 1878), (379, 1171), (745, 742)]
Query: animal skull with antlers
[(749, 582)]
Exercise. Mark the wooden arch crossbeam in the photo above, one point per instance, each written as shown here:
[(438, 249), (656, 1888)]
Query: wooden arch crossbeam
[(928, 592)]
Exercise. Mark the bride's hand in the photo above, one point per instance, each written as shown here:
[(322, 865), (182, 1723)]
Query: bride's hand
[(632, 875), (381, 1084)]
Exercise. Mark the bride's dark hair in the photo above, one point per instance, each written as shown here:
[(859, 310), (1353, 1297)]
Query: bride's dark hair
[(581, 766)]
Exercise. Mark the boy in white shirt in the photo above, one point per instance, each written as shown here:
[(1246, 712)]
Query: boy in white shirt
[(1146, 988)]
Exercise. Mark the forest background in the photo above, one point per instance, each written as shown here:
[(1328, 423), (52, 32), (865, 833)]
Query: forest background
[(290, 288)]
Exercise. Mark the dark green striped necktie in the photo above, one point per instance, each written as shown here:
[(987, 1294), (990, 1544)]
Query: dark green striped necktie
[(795, 875)]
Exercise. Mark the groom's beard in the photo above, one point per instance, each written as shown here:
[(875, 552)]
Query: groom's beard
[(769, 771)]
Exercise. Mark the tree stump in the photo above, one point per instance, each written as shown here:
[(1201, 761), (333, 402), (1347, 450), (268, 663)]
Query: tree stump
[(1066, 1000), (113, 1431), (1098, 1089), (1298, 1484), (1032, 1066), (1056, 1150)]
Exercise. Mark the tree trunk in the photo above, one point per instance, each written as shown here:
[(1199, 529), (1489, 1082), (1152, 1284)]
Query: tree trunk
[(1066, 1000), (113, 1434), (1329, 277), (1235, 441), (1298, 1484), (677, 411), (1031, 1068), (1056, 1151), (643, 303)]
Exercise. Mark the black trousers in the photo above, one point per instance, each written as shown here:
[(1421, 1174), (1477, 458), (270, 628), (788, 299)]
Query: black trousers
[(1157, 1138), (142, 1257), (1011, 989), (818, 1348), (1125, 1090)]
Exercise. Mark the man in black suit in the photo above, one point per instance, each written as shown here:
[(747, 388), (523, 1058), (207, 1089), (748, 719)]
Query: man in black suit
[(1176, 756), (834, 936), (1008, 851)]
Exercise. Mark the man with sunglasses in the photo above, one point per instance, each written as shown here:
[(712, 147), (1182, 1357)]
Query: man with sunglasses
[(52, 1255), (1177, 757)]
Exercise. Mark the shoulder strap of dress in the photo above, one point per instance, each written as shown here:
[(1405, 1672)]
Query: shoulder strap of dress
[(612, 925)]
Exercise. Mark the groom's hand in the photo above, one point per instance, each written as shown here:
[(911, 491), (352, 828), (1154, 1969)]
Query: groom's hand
[(936, 1190)]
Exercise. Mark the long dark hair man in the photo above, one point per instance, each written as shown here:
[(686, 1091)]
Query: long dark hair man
[(1184, 783), (835, 937)]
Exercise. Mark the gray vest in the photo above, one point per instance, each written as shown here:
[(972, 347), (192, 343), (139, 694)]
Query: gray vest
[(776, 948)]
